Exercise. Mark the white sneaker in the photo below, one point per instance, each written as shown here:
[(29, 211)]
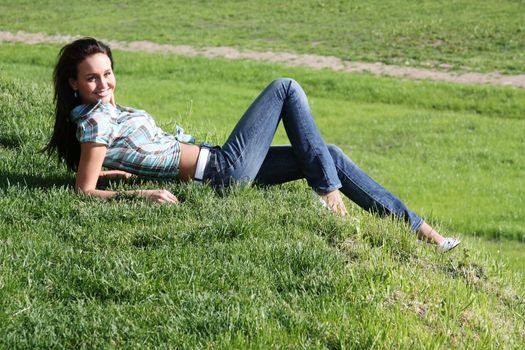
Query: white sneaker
[(448, 244)]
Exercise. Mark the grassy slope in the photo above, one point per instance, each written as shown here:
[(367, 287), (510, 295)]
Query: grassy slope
[(438, 146), (227, 269), (467, 34)]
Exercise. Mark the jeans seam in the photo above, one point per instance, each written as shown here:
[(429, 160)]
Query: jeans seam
[(316, 153), (237, 160), (243, 151), (364, 190), (420, 222)]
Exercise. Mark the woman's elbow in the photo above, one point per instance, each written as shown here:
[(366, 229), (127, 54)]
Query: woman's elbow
[(84, 190)]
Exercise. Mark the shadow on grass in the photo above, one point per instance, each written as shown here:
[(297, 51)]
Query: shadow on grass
[(9, 179), (47, 181), (497, 234), (10, 141)]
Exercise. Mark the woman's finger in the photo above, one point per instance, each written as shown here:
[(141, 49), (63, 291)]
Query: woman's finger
[(169, 197)]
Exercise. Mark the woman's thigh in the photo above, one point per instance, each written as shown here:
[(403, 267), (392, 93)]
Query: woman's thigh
[(280, 165), (248, 144)]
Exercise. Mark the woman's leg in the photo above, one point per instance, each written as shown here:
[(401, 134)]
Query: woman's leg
[(367, 193), (248, 145), (325, 170), (282, 166)]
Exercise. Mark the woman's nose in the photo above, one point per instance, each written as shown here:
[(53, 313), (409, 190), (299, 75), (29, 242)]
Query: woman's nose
[(103, 83)]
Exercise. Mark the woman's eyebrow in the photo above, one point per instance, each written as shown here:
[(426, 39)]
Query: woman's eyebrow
[(92, 74)]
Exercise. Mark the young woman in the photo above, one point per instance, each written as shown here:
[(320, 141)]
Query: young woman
[(92, 131)]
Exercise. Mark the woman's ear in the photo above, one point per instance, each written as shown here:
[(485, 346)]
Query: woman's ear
[(73, 83)]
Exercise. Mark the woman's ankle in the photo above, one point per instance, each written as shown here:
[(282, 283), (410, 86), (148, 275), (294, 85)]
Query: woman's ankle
[(427, 233)]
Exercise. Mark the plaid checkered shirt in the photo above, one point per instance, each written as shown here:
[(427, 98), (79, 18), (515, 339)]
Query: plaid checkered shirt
[(134, 142)]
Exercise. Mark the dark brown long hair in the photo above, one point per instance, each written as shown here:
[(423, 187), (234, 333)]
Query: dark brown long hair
[(64, 140)]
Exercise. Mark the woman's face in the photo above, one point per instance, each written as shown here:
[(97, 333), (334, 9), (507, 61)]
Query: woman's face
[(95, 80)]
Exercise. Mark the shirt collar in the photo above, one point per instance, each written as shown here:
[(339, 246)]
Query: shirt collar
[(82, 110)]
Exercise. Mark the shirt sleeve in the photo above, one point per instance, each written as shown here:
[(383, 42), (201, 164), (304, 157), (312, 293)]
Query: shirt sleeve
[(183, 137), (95, 128)]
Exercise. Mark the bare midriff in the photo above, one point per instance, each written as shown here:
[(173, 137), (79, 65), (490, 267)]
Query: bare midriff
[(189, 155)]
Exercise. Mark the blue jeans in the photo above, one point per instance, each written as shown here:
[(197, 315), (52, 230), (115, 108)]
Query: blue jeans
[(248, 155)]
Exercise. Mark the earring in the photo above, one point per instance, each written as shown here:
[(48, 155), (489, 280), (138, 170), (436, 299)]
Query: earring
[(75, 94)]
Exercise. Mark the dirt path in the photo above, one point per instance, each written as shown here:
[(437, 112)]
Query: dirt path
[(301, 60)]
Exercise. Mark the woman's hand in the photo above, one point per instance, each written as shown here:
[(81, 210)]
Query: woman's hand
[(334, 202), (159, 196)]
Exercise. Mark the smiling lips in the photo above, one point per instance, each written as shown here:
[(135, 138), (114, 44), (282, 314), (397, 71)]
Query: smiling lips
[(103, 94)]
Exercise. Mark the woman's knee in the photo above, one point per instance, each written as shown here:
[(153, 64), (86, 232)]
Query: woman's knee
[(285, 87), (334, 149), (337, 154), (287, 84)]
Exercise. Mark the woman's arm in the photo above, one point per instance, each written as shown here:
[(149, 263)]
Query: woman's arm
[(89, 168), (115, 174)]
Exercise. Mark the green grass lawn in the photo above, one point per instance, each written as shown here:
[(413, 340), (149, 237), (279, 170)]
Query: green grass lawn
[(510, 252), (466, 34), (265, 268)]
